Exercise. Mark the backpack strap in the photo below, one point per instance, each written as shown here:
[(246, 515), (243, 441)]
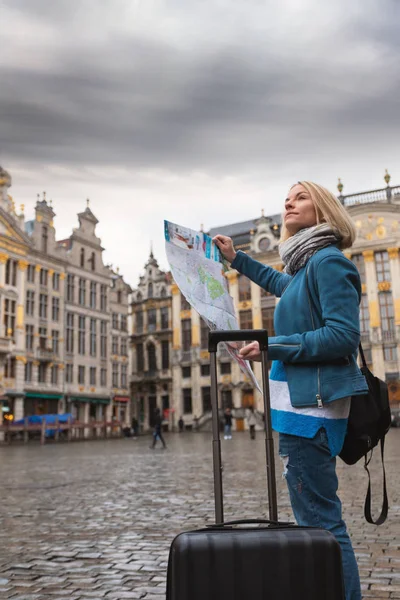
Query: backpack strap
[(385, 505)]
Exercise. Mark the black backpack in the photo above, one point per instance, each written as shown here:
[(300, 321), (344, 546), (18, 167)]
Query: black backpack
[(369, 422)]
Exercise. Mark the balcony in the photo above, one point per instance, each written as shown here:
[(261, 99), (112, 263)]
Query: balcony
[(46, 354), (5, 345), (383, 195), (151, 374)]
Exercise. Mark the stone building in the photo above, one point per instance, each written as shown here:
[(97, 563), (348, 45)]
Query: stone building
[(151, 379), (57, 305)]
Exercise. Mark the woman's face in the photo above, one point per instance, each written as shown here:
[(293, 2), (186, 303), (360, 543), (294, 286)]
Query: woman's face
[(299, 210)]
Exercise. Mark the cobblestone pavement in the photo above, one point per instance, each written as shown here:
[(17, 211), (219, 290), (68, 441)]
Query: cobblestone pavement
[(95, 519)]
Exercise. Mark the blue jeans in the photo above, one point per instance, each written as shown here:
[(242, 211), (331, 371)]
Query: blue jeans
[(228, 430), (310, 473)]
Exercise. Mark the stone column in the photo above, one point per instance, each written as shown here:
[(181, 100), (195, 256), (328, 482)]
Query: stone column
[(20, 362), (232, 277), (18, 408), (176, 319), (378, 364), (19, 333), (256, 305), (395, 285), (3, 259)]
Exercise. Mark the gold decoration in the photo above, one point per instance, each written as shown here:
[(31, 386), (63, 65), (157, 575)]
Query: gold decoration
[(387, 177), (185, 314), (36, 363), (174, 289), (231, 276), (23, 265), (347, 255), (92, 389), (226, 379), (393, 253), (22, 359), (384, 286), (363, 288), (22, 208), (244, 305), (358, 224), (374, 316), (368, 255), (3, 257), (62, 276), (340, 185), (38, 268), (381, 231), (60, 366), (395, 225), (369, 237), (51, 223), (39, 218), (12, 247), (204, 354), (81, 388), (51, 272)]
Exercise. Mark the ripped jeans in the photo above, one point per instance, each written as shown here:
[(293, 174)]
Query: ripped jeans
[(310, 473)]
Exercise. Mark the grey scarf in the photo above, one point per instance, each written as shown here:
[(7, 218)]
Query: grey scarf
[(296, 250)]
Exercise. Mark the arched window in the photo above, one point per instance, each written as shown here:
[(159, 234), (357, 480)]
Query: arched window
[(151, 355), (139, 297), (163, 292), (93, 261), (82, 261), (150, 290), (45, 238)]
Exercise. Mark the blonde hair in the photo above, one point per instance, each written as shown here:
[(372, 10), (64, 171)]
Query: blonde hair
[(328, 210)]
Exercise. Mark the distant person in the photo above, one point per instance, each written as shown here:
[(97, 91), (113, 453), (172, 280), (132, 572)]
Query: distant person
[(157, 433), (228, 424), (252, 422), (135, 427), (181, 424)]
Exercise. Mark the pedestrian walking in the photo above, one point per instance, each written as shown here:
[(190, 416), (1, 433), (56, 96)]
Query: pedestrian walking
[(181, 424), (252, 422), (157, 432), (314, 371), (135, 427), (228, 424)]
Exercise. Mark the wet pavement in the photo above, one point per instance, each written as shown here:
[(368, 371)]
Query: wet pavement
[(96, 519)]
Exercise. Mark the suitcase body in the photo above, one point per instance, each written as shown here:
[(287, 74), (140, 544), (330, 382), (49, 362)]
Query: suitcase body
[(265, 560)]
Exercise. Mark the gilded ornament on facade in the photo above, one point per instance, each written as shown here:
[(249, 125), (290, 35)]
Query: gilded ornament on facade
[(381, 231), (393, 253), (384, 286), (368, 255), (3, 257), (23, 265)]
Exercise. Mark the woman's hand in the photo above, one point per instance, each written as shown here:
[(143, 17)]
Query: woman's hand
[(225, 245), (251, 352)]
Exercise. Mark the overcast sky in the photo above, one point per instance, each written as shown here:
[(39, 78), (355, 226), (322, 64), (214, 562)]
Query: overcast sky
[(198, 111)]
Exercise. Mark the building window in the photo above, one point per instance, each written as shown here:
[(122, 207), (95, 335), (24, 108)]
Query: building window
[(81, 335), (246, 319), (93, 337), (81, 375), (124, 376), (226, 399), (92, 376), (150, 290), (163, 293), (70, 288), (387, 315), (56, 282), (54, 375), (204, 370), (124, 323), (30, 274), (151, 319), (139, 358), (165, 354), (93, 294), (186, 325), (164, 317), (115, 375), (186, 372), (184, 303), (364, 317), (187, 400), (45, 238), (43, 298), (244, 288), (69, 373), (119, 297), (103, 297), (82, 291), (225, 368), (28, 371), (103, 377), (44, 277), (43, 338), (55, 340), (70, 333), (115, 324), (55, 309), (204, 330), (29, 331), (42, 372), (390, 353), (11, 272), (30, 303), (114, 344), (9, 317), (139, 322), (151, 356), (124, 346), (382, 266), (82, 258), (268, 320), (206, 398), (103, 339), (93, 261)]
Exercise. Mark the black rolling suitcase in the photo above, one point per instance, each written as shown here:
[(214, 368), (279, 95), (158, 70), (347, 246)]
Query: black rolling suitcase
[(264, 560)]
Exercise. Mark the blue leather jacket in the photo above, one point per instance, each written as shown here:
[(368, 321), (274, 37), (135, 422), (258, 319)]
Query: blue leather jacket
[(316, 323)]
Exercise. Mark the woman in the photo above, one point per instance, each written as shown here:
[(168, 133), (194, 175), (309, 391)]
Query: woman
[(314, 370)]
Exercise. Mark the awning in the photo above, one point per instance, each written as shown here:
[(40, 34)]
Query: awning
[(35, 395), (91, 399), (121, 398)]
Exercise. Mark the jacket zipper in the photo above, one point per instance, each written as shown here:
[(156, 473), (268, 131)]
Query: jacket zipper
[(318, 396)]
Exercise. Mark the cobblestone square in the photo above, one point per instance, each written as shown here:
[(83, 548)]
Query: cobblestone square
[(96, 519)]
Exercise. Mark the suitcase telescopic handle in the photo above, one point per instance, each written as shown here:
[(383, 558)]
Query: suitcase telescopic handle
[(237, 335)]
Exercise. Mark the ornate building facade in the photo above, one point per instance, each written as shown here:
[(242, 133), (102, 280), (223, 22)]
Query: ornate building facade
[(376, 215), (58, 303)]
